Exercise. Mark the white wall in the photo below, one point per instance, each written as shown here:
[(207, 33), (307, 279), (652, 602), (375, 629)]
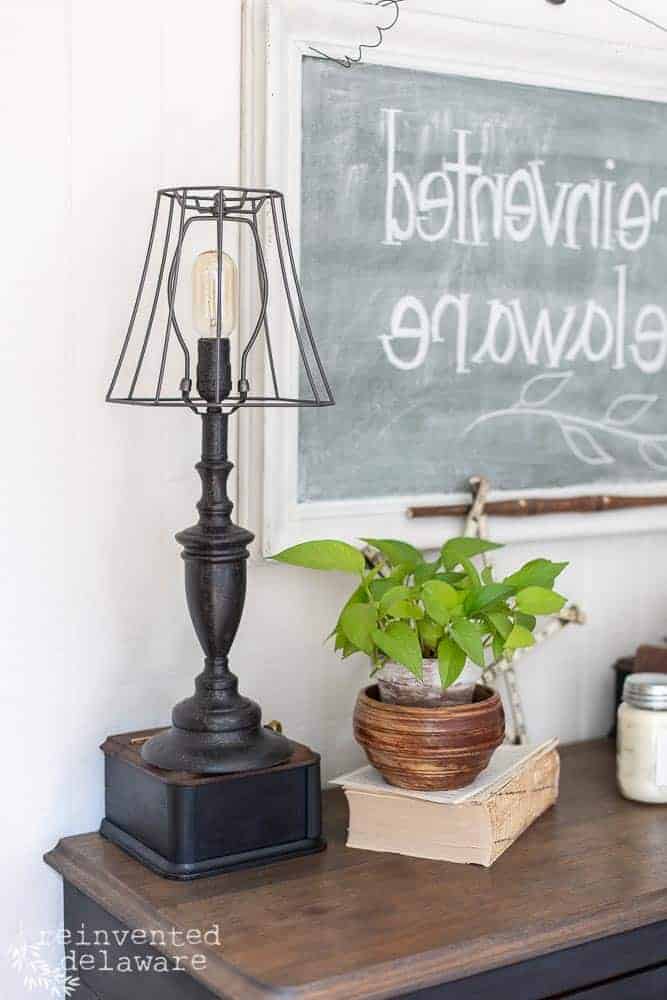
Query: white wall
[(102, 103)]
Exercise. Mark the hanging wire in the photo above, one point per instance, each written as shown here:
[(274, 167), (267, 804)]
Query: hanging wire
[(348, 61), (640, 17)]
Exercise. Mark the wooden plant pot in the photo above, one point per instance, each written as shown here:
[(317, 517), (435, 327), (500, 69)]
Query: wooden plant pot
[(429, 749)]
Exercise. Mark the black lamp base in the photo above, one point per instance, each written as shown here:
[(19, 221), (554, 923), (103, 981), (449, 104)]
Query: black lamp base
[(216, 753), (188, 826)]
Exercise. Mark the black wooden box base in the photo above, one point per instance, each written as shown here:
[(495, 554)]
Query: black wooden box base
[(186, 826)]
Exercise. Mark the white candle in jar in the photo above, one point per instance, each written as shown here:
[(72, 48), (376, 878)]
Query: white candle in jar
[(642, 738)]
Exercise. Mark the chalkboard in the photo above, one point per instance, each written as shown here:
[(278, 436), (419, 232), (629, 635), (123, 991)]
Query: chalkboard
[(484, 265)]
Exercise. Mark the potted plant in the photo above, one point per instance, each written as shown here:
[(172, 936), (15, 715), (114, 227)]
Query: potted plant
[(421, 622)]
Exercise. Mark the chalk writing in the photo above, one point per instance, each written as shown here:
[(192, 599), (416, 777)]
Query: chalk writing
[(463, 204), (443, 203), (462, 237)]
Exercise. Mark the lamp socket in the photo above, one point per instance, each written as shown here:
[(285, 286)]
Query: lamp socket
[(214, 370)]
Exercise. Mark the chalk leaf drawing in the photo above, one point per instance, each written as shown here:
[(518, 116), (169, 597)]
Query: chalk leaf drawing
[(542, 389), (628, 410), (654, 453), (591, 441), (585, 447)]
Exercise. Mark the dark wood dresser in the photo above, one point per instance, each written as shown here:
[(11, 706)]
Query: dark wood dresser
[(577, 908)]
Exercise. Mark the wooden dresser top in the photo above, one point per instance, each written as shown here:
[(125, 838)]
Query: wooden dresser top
[(350, 924)]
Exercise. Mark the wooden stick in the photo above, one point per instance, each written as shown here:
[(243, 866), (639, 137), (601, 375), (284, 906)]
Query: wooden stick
[(477, 527), (504, 669), (536, 506)]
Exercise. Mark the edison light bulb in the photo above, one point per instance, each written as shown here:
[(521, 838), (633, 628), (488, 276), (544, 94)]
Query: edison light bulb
[(205, 294), (214, 376)]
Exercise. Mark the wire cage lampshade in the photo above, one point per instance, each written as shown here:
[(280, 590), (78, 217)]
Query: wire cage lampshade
[(191, 229)]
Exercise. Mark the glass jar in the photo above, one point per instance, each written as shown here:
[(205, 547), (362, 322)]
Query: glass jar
[(642, 738)]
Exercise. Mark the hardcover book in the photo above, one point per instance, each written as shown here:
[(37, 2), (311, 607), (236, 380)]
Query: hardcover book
[(472, 825)]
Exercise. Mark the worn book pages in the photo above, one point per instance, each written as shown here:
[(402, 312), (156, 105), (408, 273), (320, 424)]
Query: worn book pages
[(506, 761), (474, 830)]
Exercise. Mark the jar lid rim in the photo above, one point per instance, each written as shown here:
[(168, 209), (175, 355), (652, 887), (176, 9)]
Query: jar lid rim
[(646, 690)]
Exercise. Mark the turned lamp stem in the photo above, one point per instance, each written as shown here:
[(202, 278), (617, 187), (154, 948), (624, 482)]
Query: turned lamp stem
[(217, 730), (215, 555)]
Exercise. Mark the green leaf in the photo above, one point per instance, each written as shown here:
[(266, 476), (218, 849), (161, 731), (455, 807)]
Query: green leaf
[(519, 638), (498, 646), (453, 577), (406, 609), (358, 596), (471, 572), (324, 555), (430, 633), (527, 621), (451, 661), (358, 622), (537, 573), (380, 587), (466, 635), (439, 598), (344, 646), (426, 571), (400, 572), (397, 553), (392, 595), (458, 549), (478, 600), (400, 642), (501, 623), (539, 601), (487, 574)]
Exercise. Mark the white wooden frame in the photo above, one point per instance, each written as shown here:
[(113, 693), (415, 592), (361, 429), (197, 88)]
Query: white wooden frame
[(589, 47)]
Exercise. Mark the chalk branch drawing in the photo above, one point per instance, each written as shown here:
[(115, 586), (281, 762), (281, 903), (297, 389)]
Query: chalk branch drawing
[(585, 437)]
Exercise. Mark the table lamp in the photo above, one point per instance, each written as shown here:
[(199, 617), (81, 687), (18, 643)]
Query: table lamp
[(172, 359)]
